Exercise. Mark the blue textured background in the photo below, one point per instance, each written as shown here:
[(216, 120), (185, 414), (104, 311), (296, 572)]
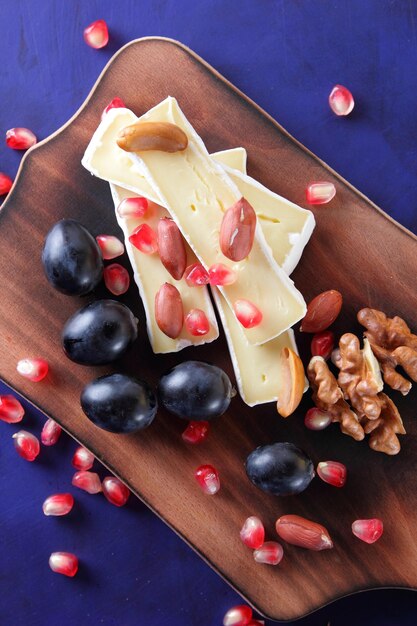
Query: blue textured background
[(286, 55)]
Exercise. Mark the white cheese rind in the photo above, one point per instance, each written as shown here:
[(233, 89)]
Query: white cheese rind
[(234, 157)]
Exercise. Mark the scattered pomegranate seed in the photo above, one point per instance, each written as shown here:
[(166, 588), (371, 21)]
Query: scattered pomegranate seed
[(133, 207), (208, 478), (116, 278), (220, 274), (110, 246), (270, 553), (332, 472), (316, 419), (51, 432), (115, 491), (96, 35), (11, 411), (196, 432), (20, 138), (63, 563), (33, 369), (341, 100), (144, 239), (322, 344), (5, 184), (83, 459), (196, 276), (239, 615), (27, 445), (253, 533), (58, 504), (247, 313), (87, 481), (368, 530), (196, 322), (320, 192), (116, 103)]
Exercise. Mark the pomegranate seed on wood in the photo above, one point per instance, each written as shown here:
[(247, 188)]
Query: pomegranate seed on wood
[(110, 246), (368, 530), (115, 491), (332, 472), (87, 481), (51, 432), (341, 100), (253, 533), (221, 275), (316, 419), (33, 369), (144, 239), (320, 192), (63, 563), (57, 505), (208, 478), (11, 411), (197, 323), (247, 313), (133, 207), (196, 432), (83, 459), (322, 344), (116, 278), (116, 103), (6, 183), (270, 553), (96, 35), (20, 138), (196, 275), (239, 615), (27, 445)]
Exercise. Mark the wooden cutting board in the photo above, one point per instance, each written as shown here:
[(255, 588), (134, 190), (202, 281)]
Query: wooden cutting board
[(355, 248)]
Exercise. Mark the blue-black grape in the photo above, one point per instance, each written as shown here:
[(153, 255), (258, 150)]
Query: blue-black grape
[(71, 258), (99, 333), (280, 468), (195, 390), (119, 403)]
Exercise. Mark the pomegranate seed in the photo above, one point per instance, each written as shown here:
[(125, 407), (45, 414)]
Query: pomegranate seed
[(270, 553), (58, 504), (51, 432), (144, 239), (116, 278), (239, 615), (20, 138), (368, 530), (96, 35), (5, 184), (110, 246), (322, 344), (115, 491), (87, 481), (33, 369), (83, 459), (196, 276), (63, 563), (116, 103), (208, 479), (27, 445), (133, 207), (220, 274), (320, 192), (253, 533), (341, 100), (11, 411), (196, 432), (332, 472), (197, 323), (247, 313), (316, 419)]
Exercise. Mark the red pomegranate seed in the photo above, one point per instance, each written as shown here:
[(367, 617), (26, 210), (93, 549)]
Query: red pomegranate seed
[(116, 278), (196, 322), (27, 445), (83, 459), (33, 369), (239, 615), (87, 481), (196, 276), (96, 35), (322, 344), (368, 530), (58, 504), (270, 553), (332, 472), (253, 533), (247, 313), (20, 138), (116, 103), (51, 432), (110, 246), (220, 274), (196, 432), (63, 563), (208, 478), (5, 184), (316, 419), (11, 411), (341, 100), (144, 239), (320, 192), (133, 207), (115, 491)]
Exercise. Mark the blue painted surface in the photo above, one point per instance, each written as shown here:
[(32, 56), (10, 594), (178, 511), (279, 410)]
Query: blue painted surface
[(286, 55)]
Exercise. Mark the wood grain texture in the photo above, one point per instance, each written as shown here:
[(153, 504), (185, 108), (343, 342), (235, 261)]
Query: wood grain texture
[(355, 248)]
